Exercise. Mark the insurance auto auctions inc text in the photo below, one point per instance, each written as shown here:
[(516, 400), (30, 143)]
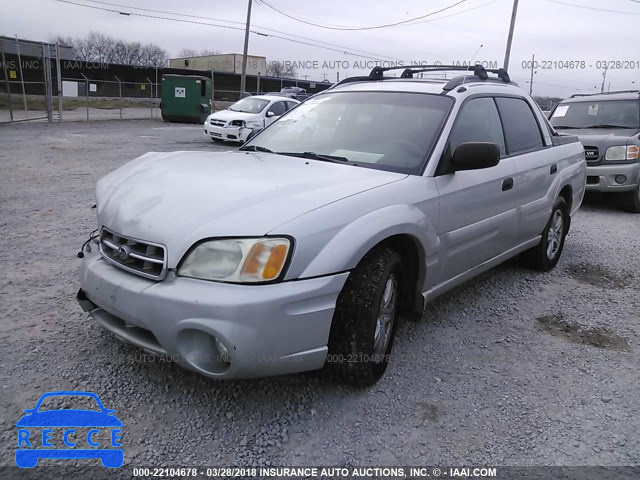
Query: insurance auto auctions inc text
[(373, 472)]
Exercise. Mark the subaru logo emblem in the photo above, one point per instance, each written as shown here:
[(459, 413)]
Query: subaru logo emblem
[(123, 252)]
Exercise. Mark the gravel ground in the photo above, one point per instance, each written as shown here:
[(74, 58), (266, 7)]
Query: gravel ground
[(513, 368)]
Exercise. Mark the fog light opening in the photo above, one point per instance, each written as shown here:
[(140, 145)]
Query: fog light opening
[(620, 179), (203, 351)]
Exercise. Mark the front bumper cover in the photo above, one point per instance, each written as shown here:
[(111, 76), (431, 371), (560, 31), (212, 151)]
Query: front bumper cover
[(602, 178), (234, 134), (266, 329)]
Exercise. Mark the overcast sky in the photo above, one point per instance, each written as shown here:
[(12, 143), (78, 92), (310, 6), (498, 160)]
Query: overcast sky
[(552, 30)]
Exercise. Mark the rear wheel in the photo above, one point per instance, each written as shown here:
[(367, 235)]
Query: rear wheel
[(632, 200), (365, 319), (546, 254)]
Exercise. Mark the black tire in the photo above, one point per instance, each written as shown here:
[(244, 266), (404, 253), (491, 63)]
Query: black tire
[(357, 352), (632, 201), (546, 254)]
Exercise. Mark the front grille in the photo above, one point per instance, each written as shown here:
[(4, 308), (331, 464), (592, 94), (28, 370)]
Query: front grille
[(217, 123), (143, 258), (591, 154)]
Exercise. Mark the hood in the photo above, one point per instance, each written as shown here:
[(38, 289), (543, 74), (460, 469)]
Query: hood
[(603, 137), (228, 115), (179, 198)]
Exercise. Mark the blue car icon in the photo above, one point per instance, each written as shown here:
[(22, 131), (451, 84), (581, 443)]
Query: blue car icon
[(68, 419)]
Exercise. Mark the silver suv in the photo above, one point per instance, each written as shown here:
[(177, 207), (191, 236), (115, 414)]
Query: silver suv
[(302, 249), (608, 125)]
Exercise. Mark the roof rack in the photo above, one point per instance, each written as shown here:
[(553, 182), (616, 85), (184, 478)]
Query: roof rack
[(479, 73), (604, 93)]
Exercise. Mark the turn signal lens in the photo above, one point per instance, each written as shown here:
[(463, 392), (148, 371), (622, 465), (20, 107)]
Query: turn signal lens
[(275, 263), (265, 260), (632, 152)]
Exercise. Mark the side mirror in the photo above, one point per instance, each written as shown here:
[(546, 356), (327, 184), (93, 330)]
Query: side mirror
[(475, 155), (270, 114)]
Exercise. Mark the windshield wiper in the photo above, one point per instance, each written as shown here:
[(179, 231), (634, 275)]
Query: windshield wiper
[(564, 126), (608, 125), (255, 148), (316, 156)]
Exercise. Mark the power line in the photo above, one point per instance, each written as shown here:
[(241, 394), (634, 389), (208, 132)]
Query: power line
[(177, 14), (374, 27), (345, 52), (593, 8)]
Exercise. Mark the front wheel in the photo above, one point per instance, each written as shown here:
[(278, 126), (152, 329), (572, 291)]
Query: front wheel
[(632, 200), (546, 254), (365, 319)]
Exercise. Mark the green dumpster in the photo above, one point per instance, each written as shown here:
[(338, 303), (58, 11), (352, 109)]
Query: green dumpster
[(185, 98)]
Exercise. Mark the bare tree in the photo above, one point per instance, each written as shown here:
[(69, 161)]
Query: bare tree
[(280, 69), (97, 47)]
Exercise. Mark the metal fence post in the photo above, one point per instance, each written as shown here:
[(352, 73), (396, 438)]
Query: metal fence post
[(258, 83), (119, 94), (86, 92), (6, 80), (151, 95), (24, 95), (48, 80), (213, 101), (59, 70)]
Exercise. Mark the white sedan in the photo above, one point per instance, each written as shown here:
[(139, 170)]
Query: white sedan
[(245, 117)]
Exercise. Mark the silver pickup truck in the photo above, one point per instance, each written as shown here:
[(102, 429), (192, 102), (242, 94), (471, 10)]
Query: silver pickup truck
[(302, 249)]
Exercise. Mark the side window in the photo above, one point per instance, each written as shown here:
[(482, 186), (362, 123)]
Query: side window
[(478, 121), (277, 108), (290, 105), (521, 129)]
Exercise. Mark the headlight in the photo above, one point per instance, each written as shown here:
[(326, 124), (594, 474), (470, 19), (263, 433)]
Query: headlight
[(237, 123), (244, 260), (254, 124), (621, 152)]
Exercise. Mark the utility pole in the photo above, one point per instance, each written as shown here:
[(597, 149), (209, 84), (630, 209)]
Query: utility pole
[(533, 61), (507, 53), (243, 77), (604, 77)]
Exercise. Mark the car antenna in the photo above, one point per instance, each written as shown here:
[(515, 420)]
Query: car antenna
[(471, 64)]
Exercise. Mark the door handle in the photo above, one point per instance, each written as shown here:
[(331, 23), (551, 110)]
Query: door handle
[(507, 184), (554, 169)]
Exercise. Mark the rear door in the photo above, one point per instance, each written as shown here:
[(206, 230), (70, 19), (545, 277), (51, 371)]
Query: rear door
[(478, 218), (534, 163)]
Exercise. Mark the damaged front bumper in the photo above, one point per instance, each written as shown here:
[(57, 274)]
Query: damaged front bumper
[(231, 133), (219, 330)]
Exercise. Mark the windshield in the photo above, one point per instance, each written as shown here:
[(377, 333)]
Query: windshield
[(249, 105), (382, 130), (603, 114)]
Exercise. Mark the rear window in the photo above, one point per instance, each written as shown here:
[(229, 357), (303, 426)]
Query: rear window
[(600, 114)]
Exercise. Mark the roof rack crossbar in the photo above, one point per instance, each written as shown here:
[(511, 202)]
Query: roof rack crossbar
[(478, 72)]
